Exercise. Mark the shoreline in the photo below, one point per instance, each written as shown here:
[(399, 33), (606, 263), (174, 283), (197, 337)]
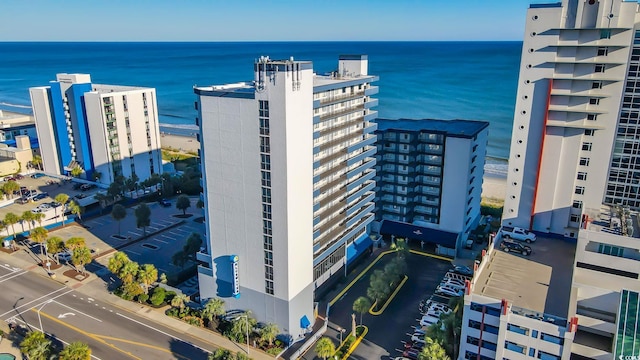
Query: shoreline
[(494, 186)]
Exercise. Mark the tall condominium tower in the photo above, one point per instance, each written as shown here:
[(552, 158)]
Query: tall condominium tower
[(287, 164), (576, 124), (106, 130)]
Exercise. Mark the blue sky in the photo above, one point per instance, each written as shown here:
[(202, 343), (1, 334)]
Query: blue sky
[(254, 20)]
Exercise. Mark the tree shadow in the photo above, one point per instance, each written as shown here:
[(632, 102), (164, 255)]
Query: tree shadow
[(181, 350)]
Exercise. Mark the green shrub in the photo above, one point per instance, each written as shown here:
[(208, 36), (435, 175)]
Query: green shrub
[(491, 209), (142, 298), (274, 351), (193, 320), (173, 312), (158, 296)]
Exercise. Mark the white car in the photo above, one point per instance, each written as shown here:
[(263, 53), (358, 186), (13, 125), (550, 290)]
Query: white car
[(457, 283), (428, 320), (452, 284), (448, 290), (439, 306), (418, 338)]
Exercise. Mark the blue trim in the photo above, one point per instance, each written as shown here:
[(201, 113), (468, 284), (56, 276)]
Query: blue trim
[(59, 125), (316, 149), (316, 164), (326, 252), (316, 104), (205, 271), (353, 57), (346, 83), (316, 193), (316, 234), (372, 90), (542, 6), (316, 220), (419, 233), (361, 144), (359, 246), (359, 193), (76, 92), (316, 119), (369, 153), (361, 181), (371, 103), (316, 178), (316, 207), (367, 211), (316, 135), (362, 168), (246, 93), (360, 204), (304, 322)]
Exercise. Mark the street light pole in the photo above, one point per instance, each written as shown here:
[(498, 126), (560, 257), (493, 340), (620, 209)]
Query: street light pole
[(341, 332), (246, 318)]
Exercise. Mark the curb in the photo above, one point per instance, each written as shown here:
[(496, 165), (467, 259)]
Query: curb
[(391, 297), (431, 255), (355, 344), (362, 273)]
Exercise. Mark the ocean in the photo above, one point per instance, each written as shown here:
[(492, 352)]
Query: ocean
[(439, 80)]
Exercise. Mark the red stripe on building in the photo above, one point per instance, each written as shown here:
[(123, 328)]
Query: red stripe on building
[(544, 133)]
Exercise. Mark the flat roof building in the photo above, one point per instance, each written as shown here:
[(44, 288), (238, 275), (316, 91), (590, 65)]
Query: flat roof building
[(288, 168), (105, 130), (429, 173), (574, 141)]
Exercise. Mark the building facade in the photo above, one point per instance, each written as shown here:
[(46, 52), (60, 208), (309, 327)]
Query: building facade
[(288, 169), (605, 281), (106, 130), (429, 172), (574, 141), (14, 124)]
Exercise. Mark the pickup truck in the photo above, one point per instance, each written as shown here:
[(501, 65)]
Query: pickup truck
[(516, 233)]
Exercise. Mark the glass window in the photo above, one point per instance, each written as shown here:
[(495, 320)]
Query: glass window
[(582, 176), (579, 190), (584, 161), (589, 132), (552, 339), (586, 146), (534, 334), (546, 356), (515, 347), (518, 329), (577, 204)]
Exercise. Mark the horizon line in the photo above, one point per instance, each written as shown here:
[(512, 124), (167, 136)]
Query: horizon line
[(243, 41)]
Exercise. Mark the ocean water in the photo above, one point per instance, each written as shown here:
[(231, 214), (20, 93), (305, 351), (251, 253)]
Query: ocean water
[(440, 80)]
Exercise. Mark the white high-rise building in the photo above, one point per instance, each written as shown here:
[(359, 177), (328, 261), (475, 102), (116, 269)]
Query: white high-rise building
[(288, 168), (576, 124), (109, 130)]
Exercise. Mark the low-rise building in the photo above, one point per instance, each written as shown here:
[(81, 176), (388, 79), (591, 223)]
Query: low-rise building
[(14, 159), (14, 124), (516, 307), (605, 281)]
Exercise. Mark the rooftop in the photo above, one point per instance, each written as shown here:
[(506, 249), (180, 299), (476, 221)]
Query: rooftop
[(104, 89), (540, 282), (617, 220), (453, 128), (12, 119)]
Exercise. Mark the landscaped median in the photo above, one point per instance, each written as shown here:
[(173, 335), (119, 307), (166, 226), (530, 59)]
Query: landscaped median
[(391, 297), (350, 344)]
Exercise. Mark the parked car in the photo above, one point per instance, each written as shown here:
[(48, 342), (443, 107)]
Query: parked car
[(508, 245), (9, 178), (452, 275), (462, 270), (64, 256), (516, 233), (40, 196), (441, 307), (23, 200), (86, 187), (19, 177), (417, 339), (37, 175), (447, 290), (80, 196), (428, 320), (165, 203), (469, 243), (454, 282), (411, 354), (76, 186)]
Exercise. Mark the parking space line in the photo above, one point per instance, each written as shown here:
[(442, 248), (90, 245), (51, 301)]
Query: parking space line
[(134, 233), (161, 241), (132, 252), (152, 228), (167, 236)]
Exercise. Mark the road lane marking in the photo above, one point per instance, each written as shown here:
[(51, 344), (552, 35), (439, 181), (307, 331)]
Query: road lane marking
[(162, 332), (78, 311), (34, 300), (145, 345), (88, 334), (9, 274), (13, 275)]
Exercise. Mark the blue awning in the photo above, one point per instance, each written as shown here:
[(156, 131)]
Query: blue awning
[(420, 233), (304, 322), (358, 247)]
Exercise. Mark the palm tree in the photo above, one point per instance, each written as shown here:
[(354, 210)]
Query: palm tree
[(55, 245), (180, 301), (269, 333), (80, 257), (76, 171), (62, 199), (27, 217), (213, 308), (10, 187), (147, 275), (325, 347), (128, 272), (361, 305), (76, 351), (118, 261), (75, 242), (39, 235), (39, 217), (432, 350), (76, 209), (37, 161), (36, 346), (118, 213), (143, 217), (11, 219)]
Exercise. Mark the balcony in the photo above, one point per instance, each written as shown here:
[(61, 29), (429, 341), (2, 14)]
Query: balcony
[(341, 98), (338, 113), (345, 125)]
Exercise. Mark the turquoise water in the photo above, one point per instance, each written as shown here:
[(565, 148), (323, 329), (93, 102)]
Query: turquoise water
[(442, 80)]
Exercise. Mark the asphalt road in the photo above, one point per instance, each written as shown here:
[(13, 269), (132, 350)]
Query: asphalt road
[(112, 333)]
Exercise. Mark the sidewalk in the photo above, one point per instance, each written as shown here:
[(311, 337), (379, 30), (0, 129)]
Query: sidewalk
[(96, 288)]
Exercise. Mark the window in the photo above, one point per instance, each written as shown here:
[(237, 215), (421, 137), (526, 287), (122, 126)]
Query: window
[(599, 68), (515, 347), (532, 352), (584, 161), (610, 250), (579, 190), (592, 117), (517, 329), (586, 146), (582, 176), (488, 328), (268, 288), (574, 218), (264, 108), (603, 51), (546, 356), (577, 204), (605, 34), (596, 85), (594, 101), (488, 309), (268, 258), (552, 339), (589, 132), (534, 334)]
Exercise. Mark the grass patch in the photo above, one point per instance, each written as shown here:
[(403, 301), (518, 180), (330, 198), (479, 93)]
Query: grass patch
[(346, 344)]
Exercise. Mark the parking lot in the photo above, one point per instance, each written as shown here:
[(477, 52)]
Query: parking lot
[(388, 330)]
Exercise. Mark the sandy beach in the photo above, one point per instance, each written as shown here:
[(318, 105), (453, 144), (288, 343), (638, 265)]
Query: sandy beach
[(493, 187)]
